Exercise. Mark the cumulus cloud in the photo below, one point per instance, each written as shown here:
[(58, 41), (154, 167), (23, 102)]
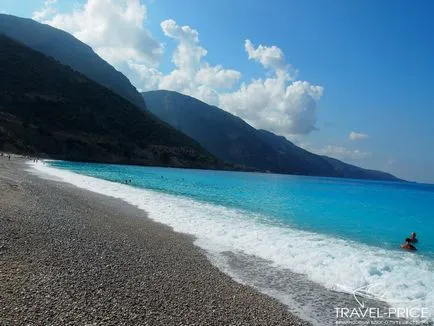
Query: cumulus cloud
[(273, 105), (357, 136), (277, 103), (342, 153), (192, 74), (271, 57), (46, 11), (217, 77), (143, 76), (188, 54), (113, 28)]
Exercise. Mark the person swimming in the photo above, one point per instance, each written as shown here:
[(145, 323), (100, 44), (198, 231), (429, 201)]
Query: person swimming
[(407, 245), (413, 238)]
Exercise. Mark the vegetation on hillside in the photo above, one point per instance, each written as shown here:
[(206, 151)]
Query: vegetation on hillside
[(50, 110), (69, 51), (231, 139)]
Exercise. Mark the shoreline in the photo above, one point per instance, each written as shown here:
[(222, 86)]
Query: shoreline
[(72, 256)]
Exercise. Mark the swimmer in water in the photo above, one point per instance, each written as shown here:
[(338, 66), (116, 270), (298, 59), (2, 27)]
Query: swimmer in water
[(407, 245), (413, 238)]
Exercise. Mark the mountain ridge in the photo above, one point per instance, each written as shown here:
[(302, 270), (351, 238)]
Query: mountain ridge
[(50, 110), (68, 50), (230, 138)]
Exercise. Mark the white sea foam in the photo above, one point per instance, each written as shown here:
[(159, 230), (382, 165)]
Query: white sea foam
[(405, 279)]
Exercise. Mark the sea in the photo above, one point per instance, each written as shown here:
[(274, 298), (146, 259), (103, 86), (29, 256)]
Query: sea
[(319, 245)]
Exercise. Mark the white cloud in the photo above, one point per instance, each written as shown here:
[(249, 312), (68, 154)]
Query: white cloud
[(277, 103), (217, 77), (188, 54), (46, 11), (113, 28), (192, 74), (270, 57), (273, 105), (342, 153), (143, 76), (357, 136)]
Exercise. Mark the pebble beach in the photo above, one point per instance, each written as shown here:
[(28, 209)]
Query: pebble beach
[(73, 257)]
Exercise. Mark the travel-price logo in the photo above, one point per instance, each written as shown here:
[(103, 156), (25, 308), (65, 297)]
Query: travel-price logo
[(399, 312)]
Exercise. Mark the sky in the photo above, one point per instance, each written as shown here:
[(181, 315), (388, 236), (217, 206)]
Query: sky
[(350, 79)]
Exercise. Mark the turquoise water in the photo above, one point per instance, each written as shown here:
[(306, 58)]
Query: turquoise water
[(335, 234), (375, 213)]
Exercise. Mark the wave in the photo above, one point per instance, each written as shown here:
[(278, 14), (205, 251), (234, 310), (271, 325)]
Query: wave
[(336, 264)]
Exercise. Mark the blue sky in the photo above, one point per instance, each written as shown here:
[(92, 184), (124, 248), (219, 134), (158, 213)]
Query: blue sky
[(374, 60)]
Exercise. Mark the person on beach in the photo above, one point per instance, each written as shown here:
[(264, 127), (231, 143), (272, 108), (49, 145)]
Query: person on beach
[(407, 245), (413, 238)]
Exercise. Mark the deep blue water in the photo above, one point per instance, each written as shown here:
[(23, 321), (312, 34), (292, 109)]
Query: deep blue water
[(376, 213)]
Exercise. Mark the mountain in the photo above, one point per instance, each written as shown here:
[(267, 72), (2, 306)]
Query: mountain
[(68, 50), (222, 133), (352, 171), (231, 139), (49, 109), (296, 160)]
